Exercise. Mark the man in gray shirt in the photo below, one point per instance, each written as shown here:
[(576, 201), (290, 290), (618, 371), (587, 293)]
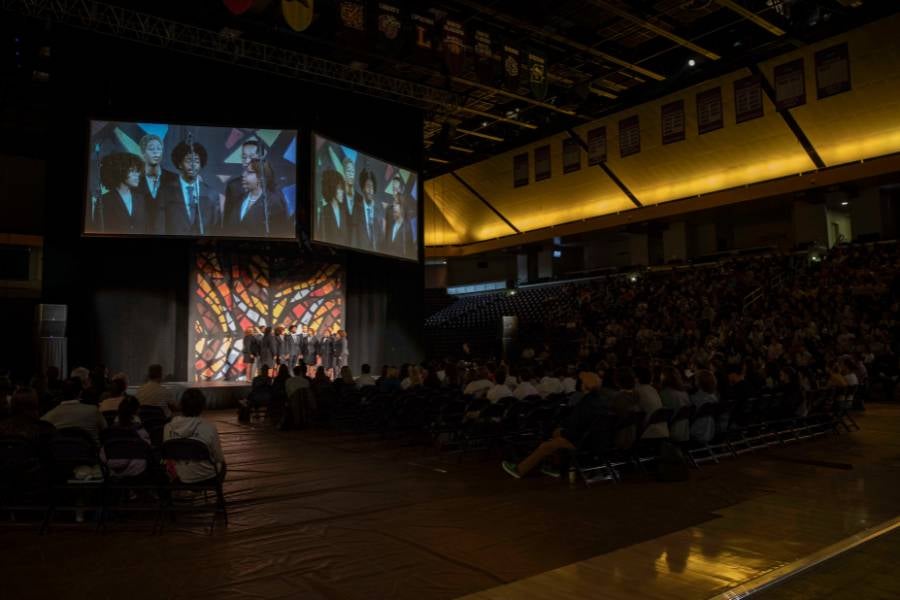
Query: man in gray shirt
[(72, 413)]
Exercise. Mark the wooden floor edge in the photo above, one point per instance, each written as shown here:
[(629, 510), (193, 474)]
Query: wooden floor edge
[(793, 569)]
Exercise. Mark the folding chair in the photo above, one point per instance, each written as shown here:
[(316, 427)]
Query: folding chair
[(23, 480), (597, 449), (69, 449), (124, 444), (191, 450)]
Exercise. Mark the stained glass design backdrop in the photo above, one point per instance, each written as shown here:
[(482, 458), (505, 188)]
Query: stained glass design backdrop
[(231, 291)]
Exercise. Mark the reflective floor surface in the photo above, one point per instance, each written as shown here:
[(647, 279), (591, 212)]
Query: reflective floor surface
[(334, 515)]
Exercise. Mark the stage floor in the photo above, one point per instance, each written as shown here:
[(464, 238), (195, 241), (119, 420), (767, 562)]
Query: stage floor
[(332, 515)]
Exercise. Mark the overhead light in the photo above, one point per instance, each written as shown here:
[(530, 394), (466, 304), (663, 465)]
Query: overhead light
[(692, 62), (844, 203), (484, 123)]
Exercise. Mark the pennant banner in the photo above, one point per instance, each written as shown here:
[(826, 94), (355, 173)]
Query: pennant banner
[(520, 170), (832, 71), (790, 85), (485, 63), (537, 74), (352, 23), (748, 99), (389, 28), (709, 111), (454, 45), (423, 38), (629, 136), (672, 119), (542, 169), (298, 14), (571, 152), (596, 141), (511, 67)]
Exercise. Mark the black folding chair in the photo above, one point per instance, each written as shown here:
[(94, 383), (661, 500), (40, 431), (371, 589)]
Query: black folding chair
[(151, 416), (597, 451), (110, 416), (23, 480), (126, 444), (69, 449), (191, 450)]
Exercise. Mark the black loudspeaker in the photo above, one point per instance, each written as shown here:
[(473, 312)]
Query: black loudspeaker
[(51, 320)]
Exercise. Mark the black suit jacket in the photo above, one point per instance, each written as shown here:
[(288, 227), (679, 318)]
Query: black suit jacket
[(403, 244), (156, 214), (115, 217), (176, 214), (327, 228), (375, 241), (254, 222)]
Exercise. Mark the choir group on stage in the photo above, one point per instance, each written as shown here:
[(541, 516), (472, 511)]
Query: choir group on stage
[(273, 347)]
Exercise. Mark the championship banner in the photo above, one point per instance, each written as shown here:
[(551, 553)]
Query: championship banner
[(596, 141), (672, 122), (423, 38), (571, 152), (238, 7), (389, 28), (748, 99), (485, 63), (454, 46), (298, 14), (511, 67), (520, 170), (709, 111), (542, 169), (832, 71), (351, 23), (629, 136), (790, 85), (537, 74)]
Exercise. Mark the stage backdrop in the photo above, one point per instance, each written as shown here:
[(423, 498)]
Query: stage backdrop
[(231, 290)]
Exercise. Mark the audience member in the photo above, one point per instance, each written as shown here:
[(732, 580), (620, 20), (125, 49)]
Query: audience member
[(72, 413), (190, 425), (154, 393)]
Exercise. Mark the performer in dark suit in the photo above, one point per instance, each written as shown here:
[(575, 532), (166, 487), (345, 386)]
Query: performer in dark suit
[(331, 213), (341, 350), (191, 208), (401, 241), (280, 346), (122, 209), (352, 201), (234, 189), (293, 344), (153, 180), (370, 224), (250, 351), (261, 212), (304, 341), (268, 348), (315, 352), (327, 352)]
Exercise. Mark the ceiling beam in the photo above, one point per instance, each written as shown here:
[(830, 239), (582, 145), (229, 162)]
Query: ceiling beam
[(660, 31), (487, 115), (559, 39), (508, 94), (478, 134), (751, 16), (484, 201)]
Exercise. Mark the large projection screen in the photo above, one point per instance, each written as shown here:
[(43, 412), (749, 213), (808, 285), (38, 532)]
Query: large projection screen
[(157, 179), (364, 203)]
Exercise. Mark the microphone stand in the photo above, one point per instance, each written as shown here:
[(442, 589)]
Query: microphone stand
[(98, 207), (195, 203)]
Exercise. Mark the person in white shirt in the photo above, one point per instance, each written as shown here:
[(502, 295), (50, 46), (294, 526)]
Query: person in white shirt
[(190, 425), (365, 379), (568, 382), (499, 390), (649, 401), (153, 393), (479, 387), (549, 385), (525, 388), (72, 413)]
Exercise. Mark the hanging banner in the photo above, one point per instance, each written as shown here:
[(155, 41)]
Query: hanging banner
[(629, 136), (672, 122), (511, 67), (238, 7), (423, 38), (485, 63), (790, 85), (389, 28), (832, 71), (596, 141), (520, 170), (571, 153), (709, 111), (351, 23), (454, 46), (542, 163), (748, 99), (537, 74), (298, 14)]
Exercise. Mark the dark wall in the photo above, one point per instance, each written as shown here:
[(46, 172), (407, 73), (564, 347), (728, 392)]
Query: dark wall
[(128, 297)]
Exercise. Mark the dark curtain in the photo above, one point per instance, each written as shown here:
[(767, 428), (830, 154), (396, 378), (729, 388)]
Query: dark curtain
[(384, 311)]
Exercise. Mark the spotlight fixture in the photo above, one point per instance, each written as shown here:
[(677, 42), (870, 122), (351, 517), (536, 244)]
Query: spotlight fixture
[(844, 203), (692, 62)]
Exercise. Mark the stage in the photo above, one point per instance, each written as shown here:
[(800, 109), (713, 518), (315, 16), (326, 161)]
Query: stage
[(219, 394)]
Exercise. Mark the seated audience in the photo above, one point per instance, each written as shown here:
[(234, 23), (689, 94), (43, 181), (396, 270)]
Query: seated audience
[(127, 421), (479, 386), (190, 425), (674, 398), (704, 430), (649, 401), (526, 387), (72, 413), (114, 393), (365, 378), (154, 393), (23, 420)]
